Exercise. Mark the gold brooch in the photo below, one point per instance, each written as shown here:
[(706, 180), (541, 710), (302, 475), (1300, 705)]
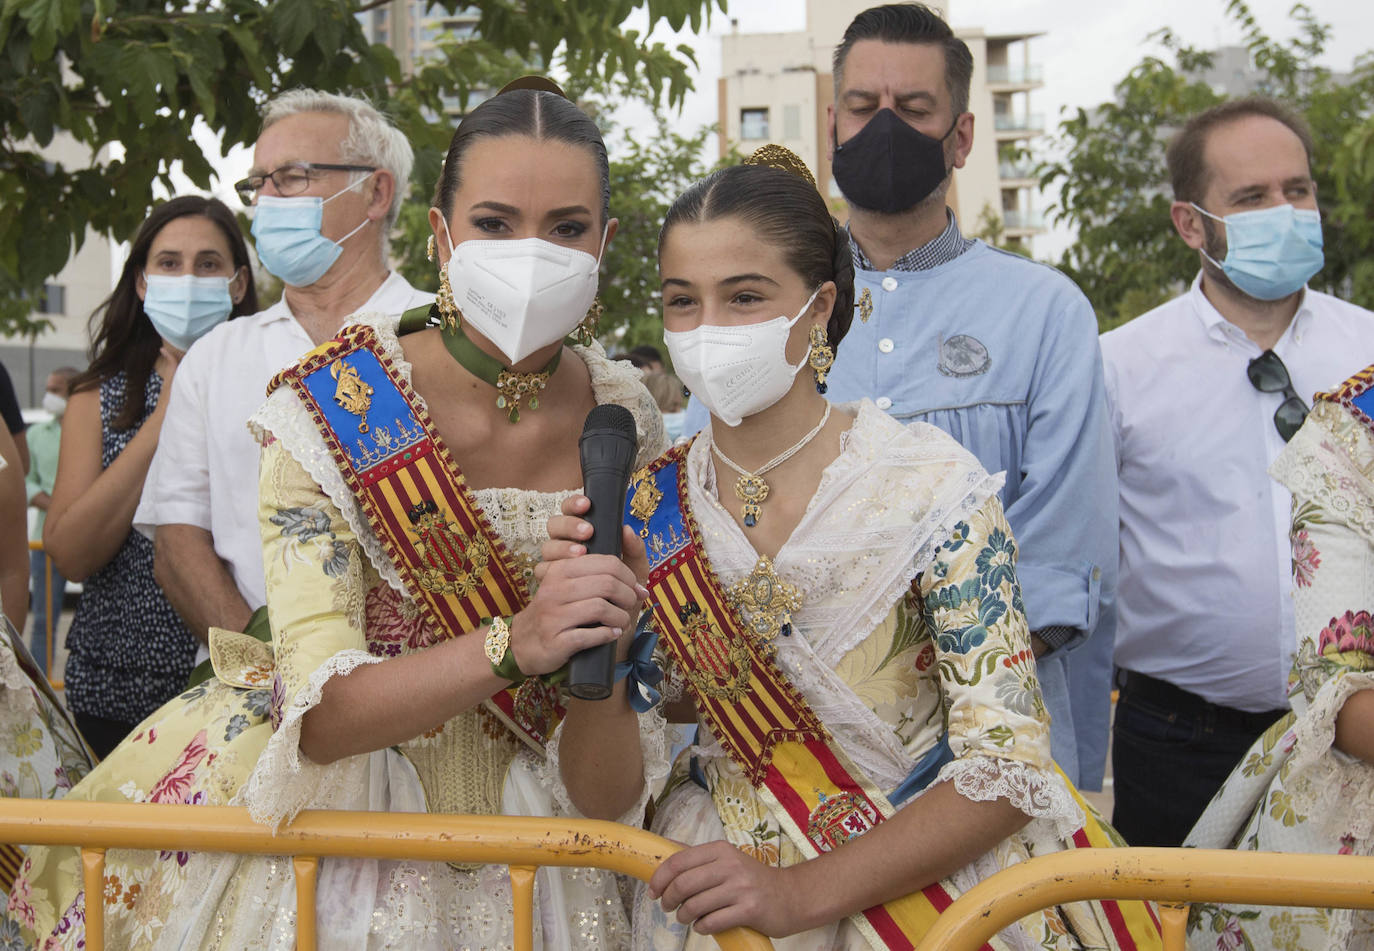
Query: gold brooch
[(865, 306), (645, 500), (350, 392), (765, 600)]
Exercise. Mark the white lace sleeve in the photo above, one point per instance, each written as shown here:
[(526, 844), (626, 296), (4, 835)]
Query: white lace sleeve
[(1324, 781), (1039, 793), (653, 745)]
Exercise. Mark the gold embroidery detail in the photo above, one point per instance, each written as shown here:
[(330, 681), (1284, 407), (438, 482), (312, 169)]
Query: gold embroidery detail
[(351, 392), (765, 602), (717, 664), (449, 562), (645, 500)]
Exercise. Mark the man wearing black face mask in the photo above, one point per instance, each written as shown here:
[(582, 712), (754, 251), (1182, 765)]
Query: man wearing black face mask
[(997, 350)]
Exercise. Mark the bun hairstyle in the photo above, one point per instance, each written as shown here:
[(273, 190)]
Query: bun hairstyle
[(774, 193)]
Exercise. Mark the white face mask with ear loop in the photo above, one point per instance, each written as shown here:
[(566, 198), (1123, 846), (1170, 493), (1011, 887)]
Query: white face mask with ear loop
[(523, 294), (737, 371)]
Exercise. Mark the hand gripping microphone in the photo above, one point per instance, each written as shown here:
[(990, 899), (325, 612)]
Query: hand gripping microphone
[(607, 448)]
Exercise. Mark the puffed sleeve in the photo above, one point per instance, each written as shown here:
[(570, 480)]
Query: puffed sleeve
[(315, 599), (999, 730)]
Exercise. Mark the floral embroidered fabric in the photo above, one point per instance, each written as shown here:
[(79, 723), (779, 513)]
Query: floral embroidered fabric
[(1294, 791)]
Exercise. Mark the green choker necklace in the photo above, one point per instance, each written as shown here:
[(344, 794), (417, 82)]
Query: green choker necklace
[(511, 388)]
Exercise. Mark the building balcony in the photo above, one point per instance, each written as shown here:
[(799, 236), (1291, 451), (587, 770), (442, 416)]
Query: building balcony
[(1033, 124), (1030, 74), (1016, 220), (1013, 171)]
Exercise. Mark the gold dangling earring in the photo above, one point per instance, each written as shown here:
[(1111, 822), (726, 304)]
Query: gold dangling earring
[(585, 333), (449, 314), (429, 248), (820, 356)]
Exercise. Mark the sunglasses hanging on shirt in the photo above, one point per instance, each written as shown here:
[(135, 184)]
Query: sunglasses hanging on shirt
[(1268, 375)]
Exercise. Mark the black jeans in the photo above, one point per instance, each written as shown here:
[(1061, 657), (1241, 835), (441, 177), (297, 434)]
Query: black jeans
[(1171, 751)]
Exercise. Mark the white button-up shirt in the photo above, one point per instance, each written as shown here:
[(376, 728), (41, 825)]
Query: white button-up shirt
[(205, 471), (1205, 591)]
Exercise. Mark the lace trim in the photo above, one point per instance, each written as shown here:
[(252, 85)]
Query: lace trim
[(1323, 781), (12, 676), (1331, 462), (1039, 793), (284, 782), (653, 743)]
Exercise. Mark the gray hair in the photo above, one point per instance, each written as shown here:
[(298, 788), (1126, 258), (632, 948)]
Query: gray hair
[(371, 138)]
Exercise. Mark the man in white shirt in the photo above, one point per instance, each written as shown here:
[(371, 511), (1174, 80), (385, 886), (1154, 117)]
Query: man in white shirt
[(200, 500), (1203, 392)]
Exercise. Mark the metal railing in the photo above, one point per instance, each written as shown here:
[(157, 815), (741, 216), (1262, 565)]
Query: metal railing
[(523, 843), (1006, 122), (1016, 75), (1172, 877), (50, 621)]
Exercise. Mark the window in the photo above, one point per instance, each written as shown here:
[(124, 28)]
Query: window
[(791, 122), (753, 123), (54, 299)]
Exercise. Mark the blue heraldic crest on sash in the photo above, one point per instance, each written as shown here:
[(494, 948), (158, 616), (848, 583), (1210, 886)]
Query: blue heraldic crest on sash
[(368, 415)]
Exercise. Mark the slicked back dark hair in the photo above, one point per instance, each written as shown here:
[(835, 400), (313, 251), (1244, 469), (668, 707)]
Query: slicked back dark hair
[(1188, 171), (532, 112), (911, 23), (122, 335), (785, 211)]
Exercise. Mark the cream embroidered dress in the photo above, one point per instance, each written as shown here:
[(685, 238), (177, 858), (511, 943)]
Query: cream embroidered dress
[(891, 667), (1294, 791), (335, 603)]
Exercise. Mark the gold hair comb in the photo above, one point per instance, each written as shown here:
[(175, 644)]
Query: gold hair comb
[(783, 159)]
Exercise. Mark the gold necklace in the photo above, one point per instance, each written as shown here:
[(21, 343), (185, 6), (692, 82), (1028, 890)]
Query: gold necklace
[(750, 487)]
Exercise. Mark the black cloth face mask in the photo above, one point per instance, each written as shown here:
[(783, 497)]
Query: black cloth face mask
[(888, 166)]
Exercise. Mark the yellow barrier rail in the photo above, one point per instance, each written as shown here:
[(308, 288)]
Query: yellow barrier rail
[(523, 843), (1173, 877), (51, 621)]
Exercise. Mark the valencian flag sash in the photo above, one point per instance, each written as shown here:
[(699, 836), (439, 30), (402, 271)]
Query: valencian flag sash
[(763, 722), (1357, 396), (418, 504)]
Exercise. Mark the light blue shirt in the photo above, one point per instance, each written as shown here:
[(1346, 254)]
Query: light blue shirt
[(1001, 353)]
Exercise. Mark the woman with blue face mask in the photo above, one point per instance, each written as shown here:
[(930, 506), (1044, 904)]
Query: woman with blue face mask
[(188, 270)]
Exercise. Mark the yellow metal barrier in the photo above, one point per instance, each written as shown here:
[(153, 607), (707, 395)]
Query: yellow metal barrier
[(523, 843), (51, 621), (1172, 877)]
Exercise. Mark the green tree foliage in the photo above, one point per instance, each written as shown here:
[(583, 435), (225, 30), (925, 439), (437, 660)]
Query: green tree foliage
[(137, 74), (1114, 187)]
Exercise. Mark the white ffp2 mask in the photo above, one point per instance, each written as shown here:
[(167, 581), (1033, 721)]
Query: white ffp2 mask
[(736, 371), (522, 294)]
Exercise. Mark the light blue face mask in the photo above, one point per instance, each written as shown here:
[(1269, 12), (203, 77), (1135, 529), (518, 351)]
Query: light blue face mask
[(185, 308), (1270, 253), (287, 232)]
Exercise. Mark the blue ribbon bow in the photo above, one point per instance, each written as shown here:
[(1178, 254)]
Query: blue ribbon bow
[(644, 675)]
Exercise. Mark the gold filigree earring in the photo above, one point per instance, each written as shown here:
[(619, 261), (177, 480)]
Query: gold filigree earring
[(449, 314), (585, 333), (820, 357), (429, 248)]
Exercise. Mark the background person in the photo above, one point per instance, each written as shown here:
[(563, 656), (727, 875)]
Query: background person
[(328, 177), (188, 269), (13, 418), (1203, 393), (46, 582)]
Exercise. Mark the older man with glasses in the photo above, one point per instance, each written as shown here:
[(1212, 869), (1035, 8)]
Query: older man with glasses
[(329, 173), (1204, 391)]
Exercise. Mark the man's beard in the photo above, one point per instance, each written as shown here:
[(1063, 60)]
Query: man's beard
[(1214, 243)]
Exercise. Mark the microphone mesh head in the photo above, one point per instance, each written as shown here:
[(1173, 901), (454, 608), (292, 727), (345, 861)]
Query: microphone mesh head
[(610, 416)]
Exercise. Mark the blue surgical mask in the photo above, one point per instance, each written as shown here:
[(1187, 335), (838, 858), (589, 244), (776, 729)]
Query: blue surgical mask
[(287, 232), (185, 308), (1270, 253)]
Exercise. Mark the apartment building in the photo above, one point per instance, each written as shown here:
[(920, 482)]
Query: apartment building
[(775, 87)]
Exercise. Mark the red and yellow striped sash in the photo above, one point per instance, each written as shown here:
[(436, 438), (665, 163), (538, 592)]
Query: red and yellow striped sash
[(417, 503)]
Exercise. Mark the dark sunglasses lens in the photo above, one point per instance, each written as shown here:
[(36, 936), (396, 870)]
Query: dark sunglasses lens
[(1267, 373), (1289, 416)]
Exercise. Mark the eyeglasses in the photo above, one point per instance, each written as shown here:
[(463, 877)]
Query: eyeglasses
[(291, 179), (1268, 375)]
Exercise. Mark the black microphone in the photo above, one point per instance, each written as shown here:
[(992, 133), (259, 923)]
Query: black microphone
[(607, 448)]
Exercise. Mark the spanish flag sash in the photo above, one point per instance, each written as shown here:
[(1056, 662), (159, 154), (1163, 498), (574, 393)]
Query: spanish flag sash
[(417, 502), (819, 797)]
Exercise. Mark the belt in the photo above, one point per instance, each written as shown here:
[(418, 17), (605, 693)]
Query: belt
[(1163, 694)]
